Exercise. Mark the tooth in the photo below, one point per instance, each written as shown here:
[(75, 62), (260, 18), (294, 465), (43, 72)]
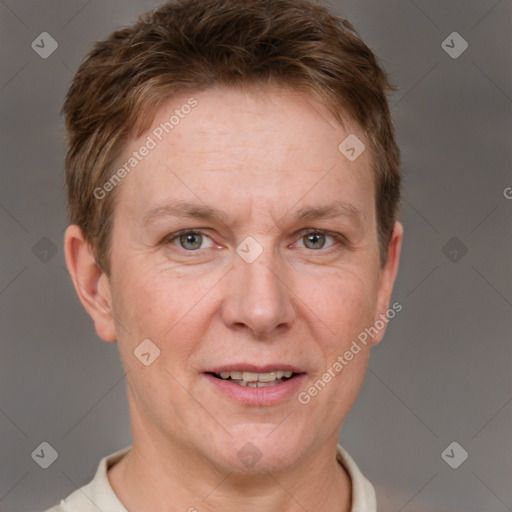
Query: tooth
[(250, 377), (265, 384), (244, 378), (266, 377)]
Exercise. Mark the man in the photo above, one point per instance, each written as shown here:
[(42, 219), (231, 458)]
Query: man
[(233, 182)]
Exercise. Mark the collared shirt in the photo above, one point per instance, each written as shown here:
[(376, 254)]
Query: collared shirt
[(99, 495)]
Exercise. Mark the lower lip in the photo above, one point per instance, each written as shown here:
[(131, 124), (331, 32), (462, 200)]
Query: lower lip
[(268, 395)]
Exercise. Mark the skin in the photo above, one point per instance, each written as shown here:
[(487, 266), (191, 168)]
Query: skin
[(259, 155)]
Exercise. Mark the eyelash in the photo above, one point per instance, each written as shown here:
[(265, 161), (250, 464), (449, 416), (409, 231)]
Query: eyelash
[(340, 240)]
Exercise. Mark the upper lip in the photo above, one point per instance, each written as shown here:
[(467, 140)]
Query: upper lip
[(253, 368)]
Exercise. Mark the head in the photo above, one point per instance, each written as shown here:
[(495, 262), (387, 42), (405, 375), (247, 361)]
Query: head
[(261, 127)]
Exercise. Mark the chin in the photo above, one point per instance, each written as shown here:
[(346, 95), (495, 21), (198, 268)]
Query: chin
[(260, 448)]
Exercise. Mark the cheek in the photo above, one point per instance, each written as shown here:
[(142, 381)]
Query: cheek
[(138, 309), (159, 306), (149, 306), (347, 307), (147, 297), (343, 302)]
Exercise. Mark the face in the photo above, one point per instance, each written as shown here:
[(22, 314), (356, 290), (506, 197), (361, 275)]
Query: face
[(278, 271)]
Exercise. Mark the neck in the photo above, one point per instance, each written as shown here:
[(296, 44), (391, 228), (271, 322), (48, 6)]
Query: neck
[(153, 479), (162, 473)]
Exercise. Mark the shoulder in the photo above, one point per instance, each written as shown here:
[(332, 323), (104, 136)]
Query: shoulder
[(57, 508), (77, 501), (97, 494)]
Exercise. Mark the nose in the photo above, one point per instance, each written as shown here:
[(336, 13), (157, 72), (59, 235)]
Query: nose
[(259, 296)]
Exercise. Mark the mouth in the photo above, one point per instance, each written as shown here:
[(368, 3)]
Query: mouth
[(261, 385), (255, 379)]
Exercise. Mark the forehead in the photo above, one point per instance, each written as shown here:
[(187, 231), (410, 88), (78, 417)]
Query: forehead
[(260, 144)]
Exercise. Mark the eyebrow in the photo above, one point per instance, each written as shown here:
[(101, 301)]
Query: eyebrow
[(335, 209), (184, 209), (200, 211)]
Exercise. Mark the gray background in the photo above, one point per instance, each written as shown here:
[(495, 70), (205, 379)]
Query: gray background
[(442, 373)]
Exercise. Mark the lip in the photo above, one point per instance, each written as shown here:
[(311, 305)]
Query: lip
[(268, 395), (246, 367)]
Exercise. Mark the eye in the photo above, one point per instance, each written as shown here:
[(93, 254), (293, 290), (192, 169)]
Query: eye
[(190, 240), (195, 241), (316, 239)]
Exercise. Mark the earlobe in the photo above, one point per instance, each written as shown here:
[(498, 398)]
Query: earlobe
[(387, 280), (91, 284)]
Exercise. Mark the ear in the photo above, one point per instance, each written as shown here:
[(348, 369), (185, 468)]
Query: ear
[(91, 284), (387, 279)]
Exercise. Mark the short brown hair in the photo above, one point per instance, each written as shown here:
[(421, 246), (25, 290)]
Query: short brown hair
[(191, 45)]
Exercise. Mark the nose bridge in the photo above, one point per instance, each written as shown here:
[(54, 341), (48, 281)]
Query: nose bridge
[(259, 297), (263, 274)]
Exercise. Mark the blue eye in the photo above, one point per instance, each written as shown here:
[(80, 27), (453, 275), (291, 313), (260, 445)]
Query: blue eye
[(190, 240), (316, 239)]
